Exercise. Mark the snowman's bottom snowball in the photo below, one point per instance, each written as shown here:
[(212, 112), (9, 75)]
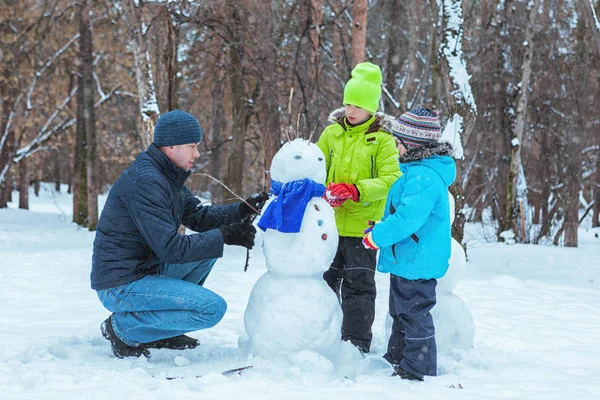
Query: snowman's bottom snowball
[(453, 321), (286, 315)]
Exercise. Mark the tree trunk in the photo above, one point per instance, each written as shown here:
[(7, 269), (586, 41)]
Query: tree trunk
[(436, 68), (461, 105), (171, 62), (393, 54), (596, 189), (6, 139), (23, 185), (80, 159), (149, 110), (86, 50), (235, 170), (268, 99), (515, 194), (57, 173), (217, 129), (408, 91), (359, 31)]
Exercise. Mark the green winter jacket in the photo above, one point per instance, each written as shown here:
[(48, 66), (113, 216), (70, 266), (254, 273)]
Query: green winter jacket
[(366, 156)]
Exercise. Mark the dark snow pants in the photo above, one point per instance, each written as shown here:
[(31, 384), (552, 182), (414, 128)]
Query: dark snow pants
[(412, 343), (352, 278)]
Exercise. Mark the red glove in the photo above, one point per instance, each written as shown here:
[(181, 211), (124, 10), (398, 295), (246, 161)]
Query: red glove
[(368, 242), (343, 191)]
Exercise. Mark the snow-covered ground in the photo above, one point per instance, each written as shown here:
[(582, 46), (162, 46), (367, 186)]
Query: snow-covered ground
[(536, 311)]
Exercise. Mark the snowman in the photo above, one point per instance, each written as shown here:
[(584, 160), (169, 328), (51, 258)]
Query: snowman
[(291, 309), (454, 326)]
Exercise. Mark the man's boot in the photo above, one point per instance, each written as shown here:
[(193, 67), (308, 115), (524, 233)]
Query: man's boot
[(119, 348), (181, 342)]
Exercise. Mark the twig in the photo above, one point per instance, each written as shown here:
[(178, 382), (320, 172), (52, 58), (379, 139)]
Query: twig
[(228, 189), (249, 219)]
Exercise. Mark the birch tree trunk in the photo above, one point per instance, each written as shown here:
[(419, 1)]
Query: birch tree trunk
[(514, 196), (461, 104), (149, 109), (359, 31)]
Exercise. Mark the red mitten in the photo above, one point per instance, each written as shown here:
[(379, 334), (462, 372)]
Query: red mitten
[(369, 243), (343, 191)]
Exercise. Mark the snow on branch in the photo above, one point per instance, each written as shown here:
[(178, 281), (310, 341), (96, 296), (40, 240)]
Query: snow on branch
[(43, 133), (390, 97), (452, 51), (594, 15), (8, 125), (41, 72)]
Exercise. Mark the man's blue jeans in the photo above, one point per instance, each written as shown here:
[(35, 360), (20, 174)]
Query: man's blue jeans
[(165, 305)]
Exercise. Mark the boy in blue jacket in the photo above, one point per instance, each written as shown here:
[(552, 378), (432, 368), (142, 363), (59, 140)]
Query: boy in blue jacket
[(414, 239)]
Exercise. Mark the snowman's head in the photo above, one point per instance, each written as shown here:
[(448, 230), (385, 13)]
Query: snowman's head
[(297, 160)]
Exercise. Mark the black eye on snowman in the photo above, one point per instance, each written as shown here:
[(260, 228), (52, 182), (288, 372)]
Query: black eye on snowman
[(320, 158), (297, 157)]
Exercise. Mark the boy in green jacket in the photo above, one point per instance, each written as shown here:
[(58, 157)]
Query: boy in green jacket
[(362, 164)]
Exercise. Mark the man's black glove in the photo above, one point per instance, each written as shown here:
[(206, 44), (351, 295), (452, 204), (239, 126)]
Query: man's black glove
[(239, 234), (256, 201)]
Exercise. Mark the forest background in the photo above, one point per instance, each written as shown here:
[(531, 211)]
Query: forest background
[(516, 84)]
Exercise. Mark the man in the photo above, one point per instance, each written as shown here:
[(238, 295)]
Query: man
[(145, 272)]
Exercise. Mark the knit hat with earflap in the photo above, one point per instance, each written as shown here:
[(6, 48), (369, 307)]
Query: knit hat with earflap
[(418, 127), (364, 87), (177, 127)]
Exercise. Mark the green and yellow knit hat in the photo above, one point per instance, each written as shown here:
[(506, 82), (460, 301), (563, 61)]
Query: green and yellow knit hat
[(364, 87)]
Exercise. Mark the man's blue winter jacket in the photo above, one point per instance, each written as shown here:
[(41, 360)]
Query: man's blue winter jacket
[(414, 235), (138, 229)]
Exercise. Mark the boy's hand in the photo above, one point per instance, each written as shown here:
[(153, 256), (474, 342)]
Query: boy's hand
[(333, 202), (371, 226), (369, 243), (343, 191)]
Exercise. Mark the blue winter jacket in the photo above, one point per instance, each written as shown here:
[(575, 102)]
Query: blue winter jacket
[(414, 235), (138, 229)]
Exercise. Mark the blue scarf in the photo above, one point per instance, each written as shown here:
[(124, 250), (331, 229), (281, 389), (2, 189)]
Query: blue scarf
[(285, 213)]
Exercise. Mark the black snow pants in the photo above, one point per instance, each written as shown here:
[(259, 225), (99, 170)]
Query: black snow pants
[(412, 343), (352, 278)]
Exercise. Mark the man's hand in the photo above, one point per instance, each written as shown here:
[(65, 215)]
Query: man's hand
[(343, 191), (253, 204), (239, 234)]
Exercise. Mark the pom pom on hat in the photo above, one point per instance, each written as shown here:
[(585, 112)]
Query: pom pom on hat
[(177, 127), (418, 127), (364, 87)]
